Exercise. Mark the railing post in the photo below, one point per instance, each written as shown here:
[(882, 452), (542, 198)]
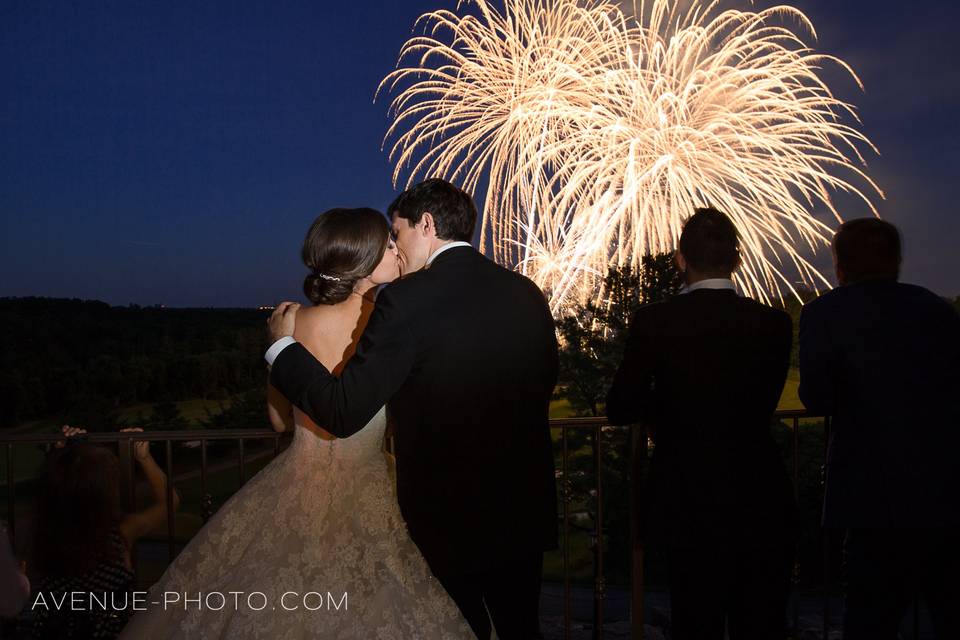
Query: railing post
[(638, 448), (599, 587), (566, 490), (206, 500), (826, 537), (11, 497), (796, 499), (128, 488), (171, 548), (241, 461)]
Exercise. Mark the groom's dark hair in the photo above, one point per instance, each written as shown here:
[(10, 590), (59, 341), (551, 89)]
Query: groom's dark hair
[(709, 243), (868, 249), (452, 208)]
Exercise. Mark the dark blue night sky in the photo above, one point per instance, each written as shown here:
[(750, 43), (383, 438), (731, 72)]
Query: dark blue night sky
[(175, 152)]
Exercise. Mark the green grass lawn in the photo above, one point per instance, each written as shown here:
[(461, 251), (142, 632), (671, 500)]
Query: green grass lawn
[(193, 410), (789, 399), (560, 409)]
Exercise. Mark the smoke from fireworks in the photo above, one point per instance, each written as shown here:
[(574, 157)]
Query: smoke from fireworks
[(599, 132)]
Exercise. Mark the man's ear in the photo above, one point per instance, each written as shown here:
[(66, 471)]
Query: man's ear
[(837, 269), (841, 276), (680, 261), (429, 226)]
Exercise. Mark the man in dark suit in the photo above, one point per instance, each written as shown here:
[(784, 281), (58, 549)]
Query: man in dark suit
[(705, 370), (883, 358), (464, 354)]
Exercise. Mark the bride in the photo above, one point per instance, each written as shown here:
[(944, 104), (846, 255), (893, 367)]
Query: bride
[(314, 545)]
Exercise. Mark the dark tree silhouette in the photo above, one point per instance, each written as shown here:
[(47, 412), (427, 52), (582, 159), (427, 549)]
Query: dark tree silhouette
[(593, 336)]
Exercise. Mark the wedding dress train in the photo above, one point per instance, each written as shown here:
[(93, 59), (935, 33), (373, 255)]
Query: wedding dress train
[(320, 524)]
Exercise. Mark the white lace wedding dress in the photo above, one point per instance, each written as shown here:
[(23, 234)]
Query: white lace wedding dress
[(321, 518)]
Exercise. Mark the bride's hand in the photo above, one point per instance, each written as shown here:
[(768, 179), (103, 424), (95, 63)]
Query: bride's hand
[(283, 321)]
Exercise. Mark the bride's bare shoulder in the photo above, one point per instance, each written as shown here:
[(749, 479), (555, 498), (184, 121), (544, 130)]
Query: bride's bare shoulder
[(312, 324), (322, 329), (308, 318)]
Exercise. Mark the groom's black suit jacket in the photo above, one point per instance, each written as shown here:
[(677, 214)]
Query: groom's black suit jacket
[(706, 370), (464, 354)]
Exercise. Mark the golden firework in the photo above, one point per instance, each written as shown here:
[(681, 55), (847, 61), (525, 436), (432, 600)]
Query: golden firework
[(598, 133)]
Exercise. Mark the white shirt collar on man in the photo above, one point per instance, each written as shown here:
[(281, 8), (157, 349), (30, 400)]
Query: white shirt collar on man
[(433, 256), (710, 283)]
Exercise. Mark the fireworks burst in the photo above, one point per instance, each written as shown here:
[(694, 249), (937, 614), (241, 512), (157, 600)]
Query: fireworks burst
[(599, 133)]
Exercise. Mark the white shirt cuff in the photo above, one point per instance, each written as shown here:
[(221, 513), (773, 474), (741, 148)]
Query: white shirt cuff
[(277, 347)]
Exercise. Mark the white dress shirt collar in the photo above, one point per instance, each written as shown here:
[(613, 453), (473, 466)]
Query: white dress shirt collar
[(711, 283), (433, 256)]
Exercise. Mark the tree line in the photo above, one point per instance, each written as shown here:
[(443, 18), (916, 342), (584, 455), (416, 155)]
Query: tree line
[(80, 359)]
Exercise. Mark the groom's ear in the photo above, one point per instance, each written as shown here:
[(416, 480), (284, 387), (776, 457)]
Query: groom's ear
[(429, 224)]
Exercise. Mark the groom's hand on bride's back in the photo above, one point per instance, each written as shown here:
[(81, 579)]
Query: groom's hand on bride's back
[(283, 321)]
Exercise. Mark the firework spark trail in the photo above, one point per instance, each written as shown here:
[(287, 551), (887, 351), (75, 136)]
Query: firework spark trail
[(599, 133)]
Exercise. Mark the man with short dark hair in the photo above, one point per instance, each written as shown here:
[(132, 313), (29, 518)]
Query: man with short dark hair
[(883, 358), (867, 249), (705, 370)]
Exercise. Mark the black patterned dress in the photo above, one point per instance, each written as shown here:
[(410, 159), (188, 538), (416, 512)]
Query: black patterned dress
[(111, 582)]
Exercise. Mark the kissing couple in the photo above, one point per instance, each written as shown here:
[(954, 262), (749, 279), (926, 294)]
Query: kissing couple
[(461, 356)]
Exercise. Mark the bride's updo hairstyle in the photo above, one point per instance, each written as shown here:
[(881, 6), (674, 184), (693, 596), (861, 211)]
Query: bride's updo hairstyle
[(341, 247)]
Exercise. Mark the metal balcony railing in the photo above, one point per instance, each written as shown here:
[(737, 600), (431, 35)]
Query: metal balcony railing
[(640, 446)]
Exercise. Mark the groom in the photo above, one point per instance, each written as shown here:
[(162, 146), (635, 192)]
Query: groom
[(464, 353)]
